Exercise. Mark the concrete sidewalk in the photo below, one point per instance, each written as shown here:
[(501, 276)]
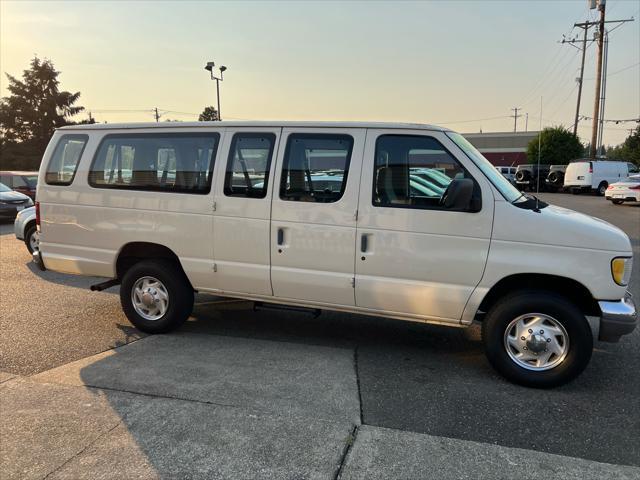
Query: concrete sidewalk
[(206, 406)]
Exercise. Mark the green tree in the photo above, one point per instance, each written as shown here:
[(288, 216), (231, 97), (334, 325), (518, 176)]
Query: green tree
[(629, 150), (30, 114), (209, 114), (558, 146)]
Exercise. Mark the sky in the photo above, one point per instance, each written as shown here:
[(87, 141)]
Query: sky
[(463, 64)]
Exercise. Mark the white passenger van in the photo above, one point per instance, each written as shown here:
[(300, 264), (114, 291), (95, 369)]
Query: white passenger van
[(398, 220), (594, 175)]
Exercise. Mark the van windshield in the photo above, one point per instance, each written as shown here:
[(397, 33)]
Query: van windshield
[(508, 191)]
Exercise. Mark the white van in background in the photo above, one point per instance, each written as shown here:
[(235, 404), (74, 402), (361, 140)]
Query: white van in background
[(402, 221), (594, 176)]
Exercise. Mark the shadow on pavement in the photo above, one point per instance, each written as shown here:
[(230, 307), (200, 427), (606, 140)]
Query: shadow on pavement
[(411, 376), (244, 394)]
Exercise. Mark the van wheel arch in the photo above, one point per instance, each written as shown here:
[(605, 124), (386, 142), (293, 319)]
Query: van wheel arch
[(571, 289), (135, 252)]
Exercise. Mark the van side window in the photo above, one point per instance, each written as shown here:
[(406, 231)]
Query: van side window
[(167, 162), (247, 173), (315, 167), (412, 172), (64, 161)]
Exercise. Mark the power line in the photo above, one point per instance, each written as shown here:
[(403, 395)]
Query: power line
[(617, 71), (474, 120), (561, 104), (610, 120), (548, 73)]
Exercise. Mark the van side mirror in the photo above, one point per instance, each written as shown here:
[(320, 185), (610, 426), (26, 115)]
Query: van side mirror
[(458, 195)]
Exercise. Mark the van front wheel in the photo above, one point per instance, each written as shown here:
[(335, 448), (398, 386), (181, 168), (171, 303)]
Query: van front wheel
[(537, 339), (156, 296)]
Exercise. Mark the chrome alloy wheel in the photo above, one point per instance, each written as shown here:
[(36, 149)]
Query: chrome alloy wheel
[(150, 298), (536, 341), (34, 241)]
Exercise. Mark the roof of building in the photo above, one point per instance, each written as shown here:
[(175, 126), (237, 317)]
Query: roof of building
[(257, 124)]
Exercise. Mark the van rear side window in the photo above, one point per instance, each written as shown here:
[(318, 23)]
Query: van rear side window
[(64, 162), (315, 167), (248, 165), (168, 162)]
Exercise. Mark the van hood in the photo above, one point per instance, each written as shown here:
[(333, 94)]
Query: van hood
[(559, 226)]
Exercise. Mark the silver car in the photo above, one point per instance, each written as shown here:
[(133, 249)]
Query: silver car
[(25, 228)]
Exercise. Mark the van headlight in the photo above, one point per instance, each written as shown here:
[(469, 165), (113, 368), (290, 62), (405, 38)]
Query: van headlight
[(621, 270)]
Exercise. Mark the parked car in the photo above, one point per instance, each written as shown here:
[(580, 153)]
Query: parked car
[(508, 172), (594, 175), (555, 178), (627, 190), (25, 228), (527, 177), (23, 182), (12, 202), (404, 221)]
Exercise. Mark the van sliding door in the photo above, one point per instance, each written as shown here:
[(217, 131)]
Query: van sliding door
[(242, 210), (313, 226)]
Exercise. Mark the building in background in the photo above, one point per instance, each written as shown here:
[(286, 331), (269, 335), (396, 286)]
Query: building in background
[(502, 148)]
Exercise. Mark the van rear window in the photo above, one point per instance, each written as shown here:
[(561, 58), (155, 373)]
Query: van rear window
[(64, 161), (168, 162)]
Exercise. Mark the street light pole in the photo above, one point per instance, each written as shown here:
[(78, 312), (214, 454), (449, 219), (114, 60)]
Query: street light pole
[(210, 67), (218, 97)]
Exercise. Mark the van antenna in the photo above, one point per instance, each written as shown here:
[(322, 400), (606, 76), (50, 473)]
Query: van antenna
[(537, 209)]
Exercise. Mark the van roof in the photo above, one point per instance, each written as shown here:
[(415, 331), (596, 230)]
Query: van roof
[(284, 124)]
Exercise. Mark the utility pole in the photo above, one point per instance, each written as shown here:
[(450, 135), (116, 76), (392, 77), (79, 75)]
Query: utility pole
[(585, 26), (526, 122), (596, 104), (515, 117), (600, 39), (157, 115), (603, 94)]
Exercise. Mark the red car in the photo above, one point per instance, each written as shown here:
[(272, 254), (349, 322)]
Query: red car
[(23, 182)]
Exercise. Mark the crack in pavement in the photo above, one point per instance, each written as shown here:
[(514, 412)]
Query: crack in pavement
[(351, 439), (84, 449)]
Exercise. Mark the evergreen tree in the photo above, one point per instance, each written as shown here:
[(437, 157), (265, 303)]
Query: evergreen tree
[(30, 114)]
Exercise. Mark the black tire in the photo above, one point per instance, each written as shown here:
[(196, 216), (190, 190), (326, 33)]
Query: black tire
[(528, 301), (617, 202), (602, 189), (29, 231), (522, 175), (575, 191), (179, 291)]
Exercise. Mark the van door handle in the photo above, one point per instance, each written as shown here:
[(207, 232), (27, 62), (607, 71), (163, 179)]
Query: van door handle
[(280, 236), (364, 242)]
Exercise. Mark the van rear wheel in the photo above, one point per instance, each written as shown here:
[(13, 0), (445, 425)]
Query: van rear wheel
[(602, 188), (537, 339), (156, 296), (32, 238)]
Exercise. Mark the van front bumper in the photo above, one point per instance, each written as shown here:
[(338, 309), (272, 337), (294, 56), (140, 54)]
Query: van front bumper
[(618, 318)]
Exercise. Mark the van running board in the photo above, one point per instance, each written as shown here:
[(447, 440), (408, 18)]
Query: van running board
[(273, 306), (98, 287)]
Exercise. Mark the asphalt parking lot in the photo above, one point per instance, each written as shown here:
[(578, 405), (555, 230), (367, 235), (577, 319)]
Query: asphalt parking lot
[(291, 396)]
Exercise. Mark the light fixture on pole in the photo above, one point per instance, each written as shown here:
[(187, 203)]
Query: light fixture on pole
[(210, 66)]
